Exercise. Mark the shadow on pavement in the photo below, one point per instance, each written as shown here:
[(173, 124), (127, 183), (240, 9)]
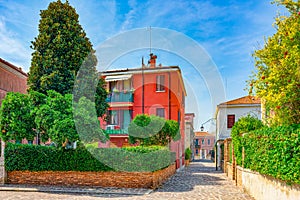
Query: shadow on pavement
[(199, 172)]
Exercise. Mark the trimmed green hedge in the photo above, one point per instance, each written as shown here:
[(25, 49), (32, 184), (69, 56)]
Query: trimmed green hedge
[(275, 152), (243, 125), (41, 158), (135, 159)]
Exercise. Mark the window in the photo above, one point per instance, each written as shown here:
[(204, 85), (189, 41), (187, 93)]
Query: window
[(230, 121), (179, 117), (160, 112), (208, 141), (160, 83), (197, 142), (203, 141)]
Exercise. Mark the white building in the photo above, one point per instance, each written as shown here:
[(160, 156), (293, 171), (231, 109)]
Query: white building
[(229, 112)]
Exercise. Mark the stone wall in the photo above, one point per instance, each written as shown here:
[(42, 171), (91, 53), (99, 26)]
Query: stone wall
[(259, 186), (2, 166), (103, 179), (239, 176), (262, 187), (229, 171)]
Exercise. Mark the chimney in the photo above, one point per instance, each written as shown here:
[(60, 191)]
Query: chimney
[(152, 60)]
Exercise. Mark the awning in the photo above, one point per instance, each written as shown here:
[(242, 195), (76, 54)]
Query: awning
[(118, 78)]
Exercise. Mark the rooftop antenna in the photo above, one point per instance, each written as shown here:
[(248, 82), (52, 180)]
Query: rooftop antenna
[(143, 64), (150, 39)]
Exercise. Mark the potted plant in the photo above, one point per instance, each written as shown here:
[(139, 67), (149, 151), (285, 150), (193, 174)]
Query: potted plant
[(187, 155), (115, 90)]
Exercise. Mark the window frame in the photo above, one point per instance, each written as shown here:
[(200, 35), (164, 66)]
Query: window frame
[(160, 111), (160, 83), (230, 121)]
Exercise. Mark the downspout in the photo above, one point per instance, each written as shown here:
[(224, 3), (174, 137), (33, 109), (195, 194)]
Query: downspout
[(169, 93), (143, 91)]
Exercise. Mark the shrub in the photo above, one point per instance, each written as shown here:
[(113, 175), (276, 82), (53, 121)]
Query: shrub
[(41, 158), (243, 125), (136, 159), (152, 130), (275, 152), (188, 154), (16, 119)]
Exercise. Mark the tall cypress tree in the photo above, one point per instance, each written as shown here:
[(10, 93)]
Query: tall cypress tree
[(59, 51)]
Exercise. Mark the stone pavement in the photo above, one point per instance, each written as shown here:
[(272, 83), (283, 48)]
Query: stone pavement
[(197, 181)]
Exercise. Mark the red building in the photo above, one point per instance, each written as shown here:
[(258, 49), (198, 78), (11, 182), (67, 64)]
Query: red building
[(155, 90), (12, 79)]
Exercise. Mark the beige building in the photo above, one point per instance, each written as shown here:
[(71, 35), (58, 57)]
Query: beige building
[(189, 131)]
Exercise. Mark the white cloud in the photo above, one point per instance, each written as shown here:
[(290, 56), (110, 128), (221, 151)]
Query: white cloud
[(11, 48)]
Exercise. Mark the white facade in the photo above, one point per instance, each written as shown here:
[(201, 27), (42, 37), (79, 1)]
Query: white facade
[(238, 110)]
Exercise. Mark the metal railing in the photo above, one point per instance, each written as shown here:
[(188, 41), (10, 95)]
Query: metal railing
[(120, 97)]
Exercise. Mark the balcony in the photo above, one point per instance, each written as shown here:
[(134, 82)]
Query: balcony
[(120, 97), (117, 132)]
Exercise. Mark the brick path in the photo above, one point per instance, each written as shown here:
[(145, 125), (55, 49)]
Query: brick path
[(198, 181)]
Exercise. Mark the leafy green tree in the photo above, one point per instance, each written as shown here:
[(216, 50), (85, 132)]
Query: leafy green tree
[(59, 49), (88, 85), (143, 127), (54, 119), (86, 122), (16, 119), (152, 130), (277, 76)]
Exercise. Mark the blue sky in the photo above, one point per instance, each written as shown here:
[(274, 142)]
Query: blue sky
[(228, 31)]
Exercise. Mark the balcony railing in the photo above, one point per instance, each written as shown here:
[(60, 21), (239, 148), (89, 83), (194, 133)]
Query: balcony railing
[(120, 97), (117, 131)]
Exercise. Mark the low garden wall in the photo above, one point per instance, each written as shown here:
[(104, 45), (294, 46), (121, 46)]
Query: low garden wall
[(103, 179), (130, 167), (265, 187), (262, 187), (229, 171), (258, 153)]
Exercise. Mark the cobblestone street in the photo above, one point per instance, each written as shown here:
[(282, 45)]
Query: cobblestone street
[(197, 181)]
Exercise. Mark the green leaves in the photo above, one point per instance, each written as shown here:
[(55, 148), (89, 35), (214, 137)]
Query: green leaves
[(59, 50), (16, 117), (187, 154), (41, 158), (152, 130), (54, 119), (277, 75), (273, 151), (243, 125), (86, 121)]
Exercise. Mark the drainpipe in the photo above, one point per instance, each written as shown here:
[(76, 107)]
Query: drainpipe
[(169, 93), (143, 92)]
